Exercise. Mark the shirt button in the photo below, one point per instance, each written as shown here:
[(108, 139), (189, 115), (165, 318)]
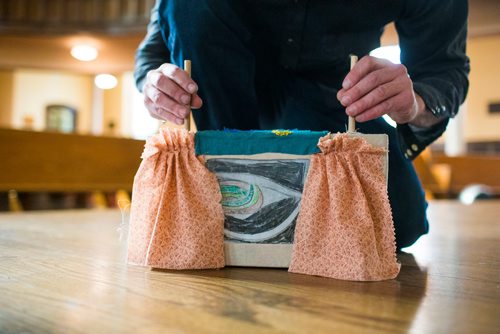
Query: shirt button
[(409, 153), (290, 40), (414, 147)]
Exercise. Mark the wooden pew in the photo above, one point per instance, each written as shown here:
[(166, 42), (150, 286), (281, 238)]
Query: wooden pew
[(472, 169), (55, 162), (435, 178)]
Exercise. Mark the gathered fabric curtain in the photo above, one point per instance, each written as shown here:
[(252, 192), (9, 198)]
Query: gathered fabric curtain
[(345, 229), (176, 220)]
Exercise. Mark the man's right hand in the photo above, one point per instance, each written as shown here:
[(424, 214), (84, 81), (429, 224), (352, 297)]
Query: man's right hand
[(167, 93)]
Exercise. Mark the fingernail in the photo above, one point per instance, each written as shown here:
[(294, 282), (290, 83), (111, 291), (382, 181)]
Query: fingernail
[(192, 88), (346, 84), (185, 99), (346, 100), (197, 107), (351, 111)]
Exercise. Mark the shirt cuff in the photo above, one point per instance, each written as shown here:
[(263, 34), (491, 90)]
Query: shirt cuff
[(413, 140), (434, 100)]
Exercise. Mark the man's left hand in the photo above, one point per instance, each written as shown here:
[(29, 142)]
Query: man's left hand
[(375, 87)]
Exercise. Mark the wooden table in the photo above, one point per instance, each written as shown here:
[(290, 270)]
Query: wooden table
[(64, 272)]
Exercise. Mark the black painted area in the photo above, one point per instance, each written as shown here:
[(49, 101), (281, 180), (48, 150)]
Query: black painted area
[(290, 174), (269, 217)]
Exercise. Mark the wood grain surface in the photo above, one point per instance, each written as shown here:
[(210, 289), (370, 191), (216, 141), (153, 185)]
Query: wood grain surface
[(64, 272)]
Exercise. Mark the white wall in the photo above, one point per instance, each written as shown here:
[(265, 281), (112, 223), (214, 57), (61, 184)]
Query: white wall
[(136, 121), (484, 53), (35, 89)]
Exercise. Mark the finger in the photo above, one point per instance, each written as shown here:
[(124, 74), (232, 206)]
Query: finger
[(370, 82), (196, 102), (161, 114), (169, 87), (384, 107), (164, 102), (180, 77), (375, 96), (173, 90), (366, 65)]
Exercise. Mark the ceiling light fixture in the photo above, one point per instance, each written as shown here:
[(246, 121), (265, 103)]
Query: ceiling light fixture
[(84, 52), (105, 81)]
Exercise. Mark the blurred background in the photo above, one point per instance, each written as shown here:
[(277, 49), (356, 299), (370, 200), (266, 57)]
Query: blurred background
[(72, 123)]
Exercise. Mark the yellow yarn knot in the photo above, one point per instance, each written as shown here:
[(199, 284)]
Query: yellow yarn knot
[(282, 133)]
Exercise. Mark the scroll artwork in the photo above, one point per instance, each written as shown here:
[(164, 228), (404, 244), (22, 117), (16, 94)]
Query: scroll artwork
[(260, 198), (313, 202)]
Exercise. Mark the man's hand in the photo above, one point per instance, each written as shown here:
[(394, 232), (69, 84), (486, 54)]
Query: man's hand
[(167, 93), (375, 87)]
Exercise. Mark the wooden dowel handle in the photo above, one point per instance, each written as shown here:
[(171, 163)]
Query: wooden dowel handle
[(352, 122), (187, 68)]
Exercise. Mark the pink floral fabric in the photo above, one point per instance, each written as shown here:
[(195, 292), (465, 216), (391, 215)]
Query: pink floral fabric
[(344, 229), (176, 220)]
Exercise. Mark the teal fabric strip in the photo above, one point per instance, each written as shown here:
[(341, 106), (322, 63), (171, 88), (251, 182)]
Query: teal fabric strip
[(234, 142)]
